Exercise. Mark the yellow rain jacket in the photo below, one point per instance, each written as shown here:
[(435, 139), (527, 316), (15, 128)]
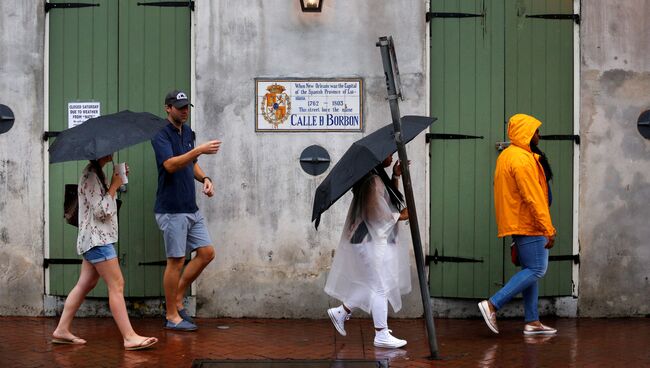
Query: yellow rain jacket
[(520, 187)]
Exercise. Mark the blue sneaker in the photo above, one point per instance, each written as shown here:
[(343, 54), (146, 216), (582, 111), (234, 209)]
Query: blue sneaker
[(183, 325), (185, 315)]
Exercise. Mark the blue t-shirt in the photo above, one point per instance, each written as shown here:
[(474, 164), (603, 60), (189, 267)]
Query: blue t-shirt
[(176, 192)]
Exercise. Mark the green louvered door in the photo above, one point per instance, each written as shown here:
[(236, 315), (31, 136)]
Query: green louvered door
[(484, 69), (124, 56)]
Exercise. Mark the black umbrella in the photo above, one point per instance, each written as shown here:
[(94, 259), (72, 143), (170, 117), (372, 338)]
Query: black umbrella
[(360, 158), (103, 135)]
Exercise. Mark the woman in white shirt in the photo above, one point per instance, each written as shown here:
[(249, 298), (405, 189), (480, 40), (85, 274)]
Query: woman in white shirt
[(95, 242), (370, 267)]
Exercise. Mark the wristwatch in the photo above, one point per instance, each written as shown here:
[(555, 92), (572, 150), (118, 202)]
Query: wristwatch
[(206, 177)]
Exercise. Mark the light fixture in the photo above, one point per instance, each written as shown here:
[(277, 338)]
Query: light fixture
[(313, 6)]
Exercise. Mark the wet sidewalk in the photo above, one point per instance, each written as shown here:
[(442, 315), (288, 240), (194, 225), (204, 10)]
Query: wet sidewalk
[(25, 342)]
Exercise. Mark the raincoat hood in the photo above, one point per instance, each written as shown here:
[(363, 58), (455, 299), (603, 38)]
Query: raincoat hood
[(521, 129), (520, 187)]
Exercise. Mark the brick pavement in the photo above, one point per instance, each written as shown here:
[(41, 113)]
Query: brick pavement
[(25, 342)]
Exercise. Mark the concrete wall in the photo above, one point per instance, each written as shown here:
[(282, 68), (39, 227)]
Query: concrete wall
[(270, 260), (615, 159), (22, 31)]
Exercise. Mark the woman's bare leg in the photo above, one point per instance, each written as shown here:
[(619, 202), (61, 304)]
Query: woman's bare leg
[(87, 280), (112, 275)]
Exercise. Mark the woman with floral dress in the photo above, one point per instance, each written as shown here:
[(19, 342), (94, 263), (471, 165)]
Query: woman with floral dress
[(95, 242)]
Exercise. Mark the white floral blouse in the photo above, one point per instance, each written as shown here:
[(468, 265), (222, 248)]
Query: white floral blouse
[(97, 213)]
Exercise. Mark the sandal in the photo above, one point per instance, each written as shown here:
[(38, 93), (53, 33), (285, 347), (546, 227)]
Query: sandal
[(144, 344)]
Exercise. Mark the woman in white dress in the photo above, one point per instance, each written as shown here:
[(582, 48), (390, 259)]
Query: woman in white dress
[(95, 242), (370, 267)]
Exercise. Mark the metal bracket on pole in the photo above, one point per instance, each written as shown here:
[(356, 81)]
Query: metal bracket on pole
[(390, 65)]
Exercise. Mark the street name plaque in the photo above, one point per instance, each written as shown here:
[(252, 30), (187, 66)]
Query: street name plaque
[(309, 105)]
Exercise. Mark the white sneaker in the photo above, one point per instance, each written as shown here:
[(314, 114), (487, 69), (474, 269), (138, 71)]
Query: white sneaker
[(338, 316), (383, 339)]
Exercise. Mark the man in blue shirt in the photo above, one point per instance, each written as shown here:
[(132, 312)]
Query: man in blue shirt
[(183, 226)]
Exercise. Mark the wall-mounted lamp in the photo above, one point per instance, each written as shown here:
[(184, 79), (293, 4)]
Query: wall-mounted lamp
[(313, 6)]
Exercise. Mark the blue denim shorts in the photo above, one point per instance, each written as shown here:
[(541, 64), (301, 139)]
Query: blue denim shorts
[(100, 253)]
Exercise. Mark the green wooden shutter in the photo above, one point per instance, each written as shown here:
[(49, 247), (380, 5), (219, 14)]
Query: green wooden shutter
[(483, 70), (154, 58), (539, 82), (124, 56), (467, 97), (81, 68)]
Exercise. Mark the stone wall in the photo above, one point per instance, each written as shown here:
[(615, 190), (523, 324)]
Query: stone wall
[(615, 159), (271, 262), (22, 31)]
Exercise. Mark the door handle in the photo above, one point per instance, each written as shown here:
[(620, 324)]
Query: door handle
[(500, 146)]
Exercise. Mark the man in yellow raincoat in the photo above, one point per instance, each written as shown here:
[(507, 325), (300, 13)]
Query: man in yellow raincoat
[(521, 199)]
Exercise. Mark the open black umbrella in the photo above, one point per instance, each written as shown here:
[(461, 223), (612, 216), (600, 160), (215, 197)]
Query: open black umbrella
[(360, 158), (103, 135)]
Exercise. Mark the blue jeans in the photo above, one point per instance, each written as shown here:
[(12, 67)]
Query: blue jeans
[(534, 262)]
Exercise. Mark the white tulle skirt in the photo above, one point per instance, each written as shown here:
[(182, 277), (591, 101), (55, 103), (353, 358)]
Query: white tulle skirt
[(361, 271)]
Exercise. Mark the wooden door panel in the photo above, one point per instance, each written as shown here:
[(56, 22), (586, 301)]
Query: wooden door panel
[(81, 68), (539, 82), (466, 96)]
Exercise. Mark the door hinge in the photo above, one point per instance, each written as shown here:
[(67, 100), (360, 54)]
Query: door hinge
[(574, 17), (435, 258), (48, 134), (431, 136), (561, 137), (49, 6), (431, 15), (158, 263), (171, 4), (568, 257), (48, 261)]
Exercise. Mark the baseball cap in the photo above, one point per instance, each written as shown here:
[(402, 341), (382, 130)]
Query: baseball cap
[(177, 99)]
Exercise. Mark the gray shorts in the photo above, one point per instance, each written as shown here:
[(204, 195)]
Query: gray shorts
[(183, 232)]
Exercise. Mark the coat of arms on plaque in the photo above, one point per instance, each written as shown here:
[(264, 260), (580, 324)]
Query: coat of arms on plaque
[(276, 105)]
